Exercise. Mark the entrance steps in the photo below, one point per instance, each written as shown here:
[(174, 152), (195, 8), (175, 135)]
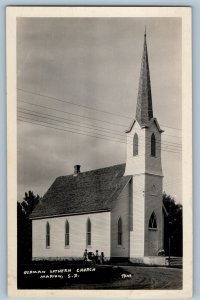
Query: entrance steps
[(174, 261)]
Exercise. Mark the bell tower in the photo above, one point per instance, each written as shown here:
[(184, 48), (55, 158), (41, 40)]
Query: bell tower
[(143, 162)]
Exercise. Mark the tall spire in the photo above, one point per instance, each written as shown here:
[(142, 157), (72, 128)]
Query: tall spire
[(144, 110)]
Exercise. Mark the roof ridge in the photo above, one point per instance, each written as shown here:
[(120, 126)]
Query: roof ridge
[(89, 191), (92, 170)]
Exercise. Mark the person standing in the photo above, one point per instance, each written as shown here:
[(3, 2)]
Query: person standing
[(97, 256), (102, 258)]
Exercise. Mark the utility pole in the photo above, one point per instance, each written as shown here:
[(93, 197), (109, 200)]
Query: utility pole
[(169, 241)]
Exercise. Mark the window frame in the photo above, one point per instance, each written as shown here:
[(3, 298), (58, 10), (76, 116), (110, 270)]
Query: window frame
[(152, 221), (135, 145), (153, 145), (119, 232), (67, 234), (88, 233), (48, 235)]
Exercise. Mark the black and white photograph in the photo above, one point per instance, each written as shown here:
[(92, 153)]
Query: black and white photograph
[(102, 121)]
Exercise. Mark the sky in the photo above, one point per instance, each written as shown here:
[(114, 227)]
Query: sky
[(78, 78)]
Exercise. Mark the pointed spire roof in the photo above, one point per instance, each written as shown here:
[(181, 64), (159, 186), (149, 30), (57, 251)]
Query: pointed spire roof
[(144, 110)]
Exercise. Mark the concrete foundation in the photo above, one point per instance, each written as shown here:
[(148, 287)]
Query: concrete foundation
[(149, 260)]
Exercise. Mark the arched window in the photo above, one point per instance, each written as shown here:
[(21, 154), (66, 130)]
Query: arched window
[(152, 221), (88, 232), (119, 231), (153, 145), (66, 233), (47, 235), (135, 144)]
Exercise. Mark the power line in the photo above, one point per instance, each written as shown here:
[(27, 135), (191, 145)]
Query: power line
[(80, 105), (65, 112), (170, 127), (36, 115), (69, 113), (70, 124), (47, 116), (177, 137), (64, 129), (82, 124), (84, 106), (109, 139)]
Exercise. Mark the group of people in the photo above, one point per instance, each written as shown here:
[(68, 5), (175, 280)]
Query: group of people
[(94, 258)]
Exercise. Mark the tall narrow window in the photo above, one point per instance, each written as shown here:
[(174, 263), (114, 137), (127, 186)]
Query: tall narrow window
[(66, 233), (153, 145), (47, 235), (135, 144), (88, 232), (152, 221), (119, 228)]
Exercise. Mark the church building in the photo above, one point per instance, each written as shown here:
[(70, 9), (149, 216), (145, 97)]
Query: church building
[(116, 210)]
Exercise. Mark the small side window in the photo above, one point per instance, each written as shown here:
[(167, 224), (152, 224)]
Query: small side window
[(47, 235), (119, 234), (88, 233), (66, 233), (135, 144), (153, 145)]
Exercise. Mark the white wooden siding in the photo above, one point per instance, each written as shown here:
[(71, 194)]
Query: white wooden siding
[(100, 223), (121, 209)]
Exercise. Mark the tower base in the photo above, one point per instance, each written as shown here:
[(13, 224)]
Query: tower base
[(149, 260)]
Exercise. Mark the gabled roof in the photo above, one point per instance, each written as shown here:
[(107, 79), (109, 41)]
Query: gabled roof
[(146, 125), (90, 191), (131, 126), (157, 124)]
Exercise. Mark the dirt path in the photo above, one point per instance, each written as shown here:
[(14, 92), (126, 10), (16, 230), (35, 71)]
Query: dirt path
[(132, 277), (151, 278)]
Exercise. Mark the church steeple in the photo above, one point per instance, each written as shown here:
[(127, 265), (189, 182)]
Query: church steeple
[(143, 163), (144, 110)]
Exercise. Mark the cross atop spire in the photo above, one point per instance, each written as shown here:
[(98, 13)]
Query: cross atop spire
[(144, 110)]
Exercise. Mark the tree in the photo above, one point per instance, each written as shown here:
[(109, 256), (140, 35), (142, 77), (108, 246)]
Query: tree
[(173, 230), (24, 226)]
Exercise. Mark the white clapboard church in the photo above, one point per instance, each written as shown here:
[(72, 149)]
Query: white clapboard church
[(116, 210)]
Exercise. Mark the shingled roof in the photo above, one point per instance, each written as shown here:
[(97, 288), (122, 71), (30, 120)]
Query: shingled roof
[(144, 109), (87, 192)]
